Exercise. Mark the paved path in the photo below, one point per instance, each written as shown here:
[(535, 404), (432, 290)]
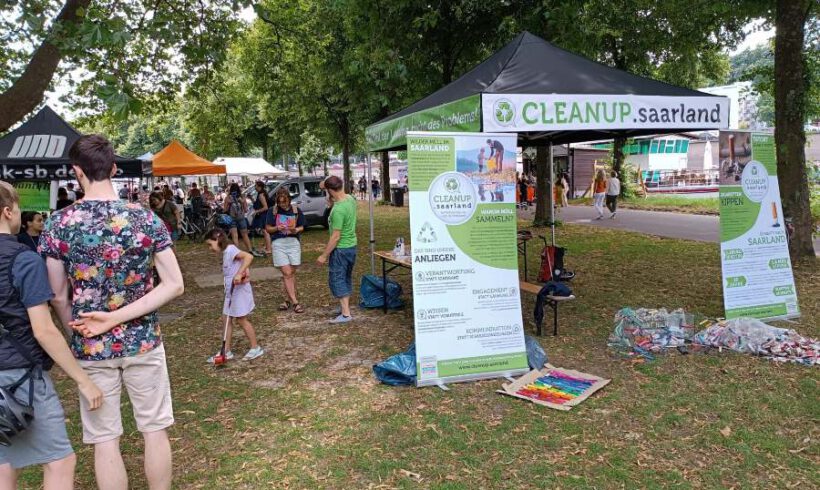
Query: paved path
[(673, 225), (257, 274)]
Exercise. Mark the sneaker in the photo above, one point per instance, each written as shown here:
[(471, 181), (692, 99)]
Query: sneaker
[(599, 217), (341, 319), (613, 216), (253, 354), (257, 253), (228, 356)]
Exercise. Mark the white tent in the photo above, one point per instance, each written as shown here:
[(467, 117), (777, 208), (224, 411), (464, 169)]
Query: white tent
[(250, 167)]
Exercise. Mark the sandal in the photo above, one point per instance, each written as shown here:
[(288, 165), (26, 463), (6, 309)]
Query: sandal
[(297, 308), (285, 306)]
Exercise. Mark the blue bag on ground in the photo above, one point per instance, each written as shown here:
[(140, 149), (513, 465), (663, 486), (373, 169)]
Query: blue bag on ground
[(372, 293), (399, 369), (536, 357)]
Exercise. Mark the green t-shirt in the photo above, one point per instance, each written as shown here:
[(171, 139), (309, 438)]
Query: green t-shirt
[(343, 217)]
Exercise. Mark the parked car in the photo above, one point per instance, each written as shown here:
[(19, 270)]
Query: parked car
[(305, 193)]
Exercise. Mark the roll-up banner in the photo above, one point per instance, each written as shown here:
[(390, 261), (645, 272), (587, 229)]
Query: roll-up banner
[(757, 271), (467, 306)]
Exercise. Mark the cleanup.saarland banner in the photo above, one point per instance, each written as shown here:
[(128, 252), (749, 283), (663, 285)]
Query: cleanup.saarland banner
[(467, 305), (460, 115), (754, 250), (562, 112)]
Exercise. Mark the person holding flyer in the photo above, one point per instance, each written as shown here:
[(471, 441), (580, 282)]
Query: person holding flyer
[(285, 224)]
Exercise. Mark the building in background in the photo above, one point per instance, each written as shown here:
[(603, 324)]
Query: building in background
[(743, 112)]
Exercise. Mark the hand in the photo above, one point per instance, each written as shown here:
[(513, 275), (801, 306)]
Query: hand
[(94, 323), (322, 260), (92, 394), (237, 279)]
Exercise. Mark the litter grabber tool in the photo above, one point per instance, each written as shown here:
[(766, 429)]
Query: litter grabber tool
[(222, 359)]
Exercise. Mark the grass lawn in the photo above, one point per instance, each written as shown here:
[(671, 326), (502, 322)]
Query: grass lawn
[(679, 204), (309, 414), (707, 205)]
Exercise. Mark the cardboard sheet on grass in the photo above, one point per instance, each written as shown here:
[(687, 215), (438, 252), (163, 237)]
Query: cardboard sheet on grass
[(585, 385)]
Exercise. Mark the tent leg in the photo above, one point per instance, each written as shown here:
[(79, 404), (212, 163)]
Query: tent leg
[(552, 190), (370, 208)]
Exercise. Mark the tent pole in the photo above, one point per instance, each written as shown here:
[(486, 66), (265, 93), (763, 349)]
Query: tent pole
[(552, 190), (370, 209)]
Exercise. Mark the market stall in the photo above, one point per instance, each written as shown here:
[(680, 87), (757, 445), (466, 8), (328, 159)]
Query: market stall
[(549, 96), (250, 167), (38, 151), (176, 160)]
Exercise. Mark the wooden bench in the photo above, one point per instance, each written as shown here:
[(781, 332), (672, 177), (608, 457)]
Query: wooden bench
[(551, 301)]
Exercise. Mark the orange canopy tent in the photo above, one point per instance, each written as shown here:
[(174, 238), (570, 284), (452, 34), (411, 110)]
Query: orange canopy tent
[(175, 159)]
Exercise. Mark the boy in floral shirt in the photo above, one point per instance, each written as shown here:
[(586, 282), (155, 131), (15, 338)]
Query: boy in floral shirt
[(103, 249)]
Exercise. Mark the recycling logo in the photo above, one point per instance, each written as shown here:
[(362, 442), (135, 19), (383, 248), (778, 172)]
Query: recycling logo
[(504, 111), (451, 185), (427, 234)]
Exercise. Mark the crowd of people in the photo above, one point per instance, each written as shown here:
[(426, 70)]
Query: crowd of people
[(93, 264)]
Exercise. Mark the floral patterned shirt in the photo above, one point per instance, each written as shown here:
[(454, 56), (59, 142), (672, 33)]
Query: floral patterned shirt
[(107, 248)]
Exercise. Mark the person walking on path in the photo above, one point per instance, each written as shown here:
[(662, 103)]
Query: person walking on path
[(613, 190), (238, 292), (30, 344), (565, 185), (599, 191), (340, 251), (362, 187), (236, 207), (285, 224), (103, 248)]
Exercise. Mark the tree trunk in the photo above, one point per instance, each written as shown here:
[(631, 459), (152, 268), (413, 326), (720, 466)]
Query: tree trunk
[(346, 163), (265, 147), (543, 193), (790, 116), (618, 161), (386, 177), (324, 164), (26, 93)]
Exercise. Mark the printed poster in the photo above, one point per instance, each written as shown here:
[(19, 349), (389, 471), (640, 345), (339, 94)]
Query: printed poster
[(467, 304), (757, 271), (34, 196)]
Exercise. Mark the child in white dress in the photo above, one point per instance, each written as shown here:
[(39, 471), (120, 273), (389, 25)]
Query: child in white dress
[(238, 291)]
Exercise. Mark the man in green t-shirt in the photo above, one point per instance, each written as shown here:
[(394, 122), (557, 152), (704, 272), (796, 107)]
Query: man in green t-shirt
[(340, 252)]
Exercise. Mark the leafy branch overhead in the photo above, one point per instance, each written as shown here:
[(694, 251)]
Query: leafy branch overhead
[(108, 53)]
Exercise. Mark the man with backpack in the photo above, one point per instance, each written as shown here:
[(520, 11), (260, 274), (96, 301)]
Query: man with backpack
[(32, 422)]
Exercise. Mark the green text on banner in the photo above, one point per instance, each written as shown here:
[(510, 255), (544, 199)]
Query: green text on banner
[(467, 305), (34, 196), (754, 249)]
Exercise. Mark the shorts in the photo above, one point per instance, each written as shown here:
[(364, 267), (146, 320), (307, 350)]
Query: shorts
[(145, 377), (45, 440), (240, 224), (287, 251), (340, 271)]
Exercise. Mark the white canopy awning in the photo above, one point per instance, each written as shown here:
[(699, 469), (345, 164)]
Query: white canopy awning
[(250, 167)]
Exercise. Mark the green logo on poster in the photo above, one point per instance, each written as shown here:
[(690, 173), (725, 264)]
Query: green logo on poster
[(451, 185), (504, 112)]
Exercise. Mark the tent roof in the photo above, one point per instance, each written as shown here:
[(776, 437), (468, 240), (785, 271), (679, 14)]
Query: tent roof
[(531, 65), (43, 142), (175, 159), (248, 166)]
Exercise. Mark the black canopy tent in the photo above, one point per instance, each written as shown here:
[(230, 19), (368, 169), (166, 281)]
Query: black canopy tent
[(38, 151), (548, 96)]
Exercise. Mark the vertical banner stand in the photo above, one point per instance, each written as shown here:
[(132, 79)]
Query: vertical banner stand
[(370, 207), (552, 197)]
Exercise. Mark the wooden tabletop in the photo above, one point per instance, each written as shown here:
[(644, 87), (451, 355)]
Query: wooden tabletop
[(402, 261)]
